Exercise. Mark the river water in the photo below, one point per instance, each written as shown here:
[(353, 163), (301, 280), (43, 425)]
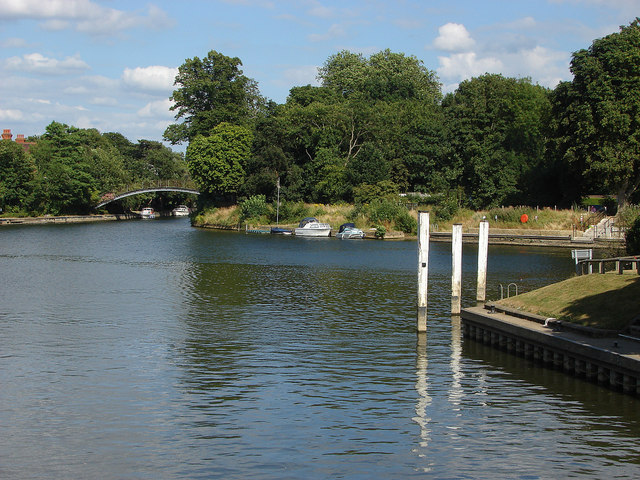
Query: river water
[(150, 349)]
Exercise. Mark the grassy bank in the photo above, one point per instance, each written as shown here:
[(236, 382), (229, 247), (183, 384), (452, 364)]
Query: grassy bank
[(607, 301), (393, 217)]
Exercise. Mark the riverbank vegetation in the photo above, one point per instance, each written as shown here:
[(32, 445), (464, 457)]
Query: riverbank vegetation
[(386, 215), (67, 169), (373, 128), (606, 301)]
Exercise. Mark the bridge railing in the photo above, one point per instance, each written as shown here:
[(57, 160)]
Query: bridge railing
[(150, 184)]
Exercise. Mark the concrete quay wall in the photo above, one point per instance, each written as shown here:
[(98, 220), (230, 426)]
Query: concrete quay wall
[(66, 219), (612, 361)]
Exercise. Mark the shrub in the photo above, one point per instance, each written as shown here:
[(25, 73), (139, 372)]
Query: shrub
[(446, 208), (291, 212), (633, 238), (253, 207), (383, 210), (405, 222)]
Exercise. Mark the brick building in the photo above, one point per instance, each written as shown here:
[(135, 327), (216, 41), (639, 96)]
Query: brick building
[(7, 135)]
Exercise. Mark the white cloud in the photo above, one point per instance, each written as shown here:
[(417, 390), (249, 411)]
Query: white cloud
[(154, 78), (334, 31), (304, 75), (104, 101), (461, 66), (83, 15), (11, 115), (157, 109), (453, 37), (39, 64), (319, 10), (14, 42)]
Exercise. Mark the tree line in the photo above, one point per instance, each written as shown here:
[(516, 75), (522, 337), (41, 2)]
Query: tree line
[(379, 125), (375, 126), (67, 169)]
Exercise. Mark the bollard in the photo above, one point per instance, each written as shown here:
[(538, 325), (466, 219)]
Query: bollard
[(423, 269), (456, 268), (483, 252)]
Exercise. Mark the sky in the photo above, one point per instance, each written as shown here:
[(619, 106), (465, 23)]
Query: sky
[(110, 64)]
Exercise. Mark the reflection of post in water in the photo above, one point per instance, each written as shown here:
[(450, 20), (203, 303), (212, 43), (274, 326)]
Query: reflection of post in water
[(456, 392), (422, 387)]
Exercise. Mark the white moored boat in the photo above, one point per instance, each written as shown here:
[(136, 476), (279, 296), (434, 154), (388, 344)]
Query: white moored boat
[(148, 212), (310, 227), (180, 211), (349, 230)]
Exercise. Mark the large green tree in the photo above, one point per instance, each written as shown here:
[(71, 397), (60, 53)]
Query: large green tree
[(496, 136), (216, 161), (17, 172), (599, 124), (210, 91)]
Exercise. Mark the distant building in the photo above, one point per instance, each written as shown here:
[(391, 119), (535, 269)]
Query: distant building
[(7, 135)]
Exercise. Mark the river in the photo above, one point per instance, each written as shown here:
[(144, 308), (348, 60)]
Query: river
[(148, 349)]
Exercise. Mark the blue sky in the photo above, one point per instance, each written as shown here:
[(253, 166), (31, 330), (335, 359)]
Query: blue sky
[(110, 64)]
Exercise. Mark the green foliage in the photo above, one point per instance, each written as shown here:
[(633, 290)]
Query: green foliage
[(215, 162), (496, 131), (292, 212), (17, 173), (405, 222), (446, 207), (211, 91), (633, 238), (380, 232), (628, 215), (598, 127), (366, 193), (253, 207), (383, 76)]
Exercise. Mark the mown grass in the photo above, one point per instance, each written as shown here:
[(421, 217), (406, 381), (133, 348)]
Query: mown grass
[(608, 301)]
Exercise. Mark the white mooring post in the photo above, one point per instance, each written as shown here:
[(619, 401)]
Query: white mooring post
[(456, 268), (423, 269), (483, 252)]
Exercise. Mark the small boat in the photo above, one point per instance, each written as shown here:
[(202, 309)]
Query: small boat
[(281, 231), (310, 227), (180, 211), (148, 212), (349, 230)]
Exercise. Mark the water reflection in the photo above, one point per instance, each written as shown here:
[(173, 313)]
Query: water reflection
[(180, 353), (424, 399)]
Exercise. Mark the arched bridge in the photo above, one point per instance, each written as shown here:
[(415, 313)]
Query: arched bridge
[(138, 189)]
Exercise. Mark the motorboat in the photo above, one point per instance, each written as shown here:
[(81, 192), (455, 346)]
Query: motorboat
[(281, 231), (148, 212), (180, 211), (349, 230), (310, 227)]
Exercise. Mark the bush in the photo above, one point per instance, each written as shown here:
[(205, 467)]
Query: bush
[(383, 210), (446, 208), (253, 207), (633, 238), (405, 222), (291, 212), (628, 215)]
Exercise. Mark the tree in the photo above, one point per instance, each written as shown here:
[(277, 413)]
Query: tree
[(601, 121), (495, 132), (211, 91), (216, 162), (17, 171), (383, 76)]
